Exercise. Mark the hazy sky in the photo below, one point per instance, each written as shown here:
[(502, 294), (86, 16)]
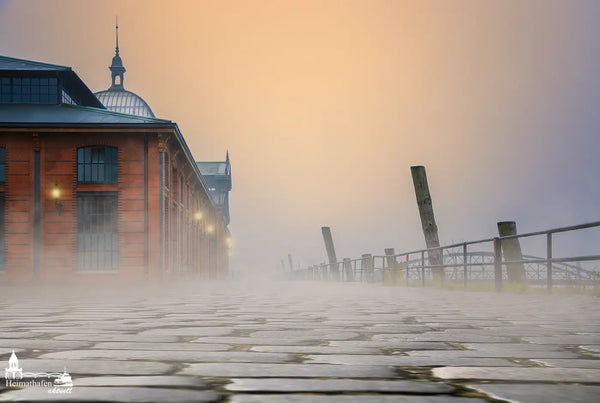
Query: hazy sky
[(325, 105)]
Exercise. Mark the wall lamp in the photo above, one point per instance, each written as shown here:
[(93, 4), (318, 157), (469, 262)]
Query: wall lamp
[(198, 216), (210, 229), (56, 196)]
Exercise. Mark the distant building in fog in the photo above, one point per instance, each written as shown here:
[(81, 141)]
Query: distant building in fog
[(95, 187)]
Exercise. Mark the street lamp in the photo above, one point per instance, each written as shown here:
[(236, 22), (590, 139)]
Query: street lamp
[(55, 192)]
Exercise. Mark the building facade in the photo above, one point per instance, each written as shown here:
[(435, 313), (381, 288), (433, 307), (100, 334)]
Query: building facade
[(93, 194)]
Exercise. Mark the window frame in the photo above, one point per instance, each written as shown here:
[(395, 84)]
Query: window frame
[(94, 167)]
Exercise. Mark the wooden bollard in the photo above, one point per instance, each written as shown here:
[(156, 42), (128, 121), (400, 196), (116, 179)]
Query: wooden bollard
[(389, 272), (511, 249), (330, 248), (348, 269), (430, 229), (366, 267)]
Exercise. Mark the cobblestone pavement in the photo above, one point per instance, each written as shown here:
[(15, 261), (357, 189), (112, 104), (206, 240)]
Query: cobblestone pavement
[(302, 342)]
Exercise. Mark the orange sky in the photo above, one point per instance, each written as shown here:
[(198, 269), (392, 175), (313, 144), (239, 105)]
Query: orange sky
[(325, 105)]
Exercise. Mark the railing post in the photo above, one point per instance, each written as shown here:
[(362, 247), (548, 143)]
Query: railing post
[(423, 268), (465, 264), (498, 264), (442, 269), (549, 262)]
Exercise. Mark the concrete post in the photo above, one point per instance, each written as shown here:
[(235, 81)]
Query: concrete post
[(430, 229), (511, 249), (330, 248)]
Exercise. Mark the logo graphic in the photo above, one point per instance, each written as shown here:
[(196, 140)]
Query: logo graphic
[(15, 378)]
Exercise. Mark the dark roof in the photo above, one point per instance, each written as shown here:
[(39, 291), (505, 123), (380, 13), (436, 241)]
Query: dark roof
[(11, 63), (69, 114), (69, 79), (212, 167)]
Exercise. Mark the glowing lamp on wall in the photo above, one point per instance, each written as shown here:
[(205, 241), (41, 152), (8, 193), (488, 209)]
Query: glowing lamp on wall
[(198, 216), (55, 192), (210, 229)]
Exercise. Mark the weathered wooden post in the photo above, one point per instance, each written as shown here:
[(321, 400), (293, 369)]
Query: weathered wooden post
[(330, 248), (348, 269), (511, 248), (389, 272), (291, 262), (430, 229), (498, 264), (366, 268)]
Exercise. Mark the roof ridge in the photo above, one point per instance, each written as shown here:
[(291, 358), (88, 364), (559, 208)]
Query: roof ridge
[(26, 61), (109, 112)]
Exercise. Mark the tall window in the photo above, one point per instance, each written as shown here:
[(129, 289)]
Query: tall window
[(2, 164), (97, 234), (97, 164)]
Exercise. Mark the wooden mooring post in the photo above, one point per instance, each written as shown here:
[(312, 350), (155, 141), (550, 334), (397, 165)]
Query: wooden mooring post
[(430, 229), (366, 267), (330, 248), (348, 269), (511, 249), (291, 262)]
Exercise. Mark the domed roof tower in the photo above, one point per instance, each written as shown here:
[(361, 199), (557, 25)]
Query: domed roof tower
[(116, 98)]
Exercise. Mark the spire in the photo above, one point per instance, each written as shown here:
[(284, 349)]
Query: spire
[(117, 36), (116, 68), (227, 156)]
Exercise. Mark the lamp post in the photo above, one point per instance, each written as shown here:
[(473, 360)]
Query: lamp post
[(55, 192)]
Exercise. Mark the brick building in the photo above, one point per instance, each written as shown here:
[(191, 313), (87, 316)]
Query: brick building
[(89, 192)]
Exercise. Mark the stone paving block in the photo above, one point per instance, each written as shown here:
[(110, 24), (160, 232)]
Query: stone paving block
[(569, 363), (567, 339), (539, 393), (149, 338), (493, 353), (167, 356), (306, 334), (243, 370), (334, 385), (163, 346), (189, 331), (153, 381), (259, 341), (316, 350), (449, 336), (354, 398), (116, 394), (397, 344), (96, 367), (519, 374), (404, 361)]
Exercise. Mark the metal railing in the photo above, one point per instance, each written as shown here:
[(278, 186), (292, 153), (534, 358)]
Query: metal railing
[(459, 262)]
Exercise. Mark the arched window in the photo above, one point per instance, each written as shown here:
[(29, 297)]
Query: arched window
[(97, 164), (2, 164)]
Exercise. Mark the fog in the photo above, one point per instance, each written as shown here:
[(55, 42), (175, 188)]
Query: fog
[(324, 106)]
